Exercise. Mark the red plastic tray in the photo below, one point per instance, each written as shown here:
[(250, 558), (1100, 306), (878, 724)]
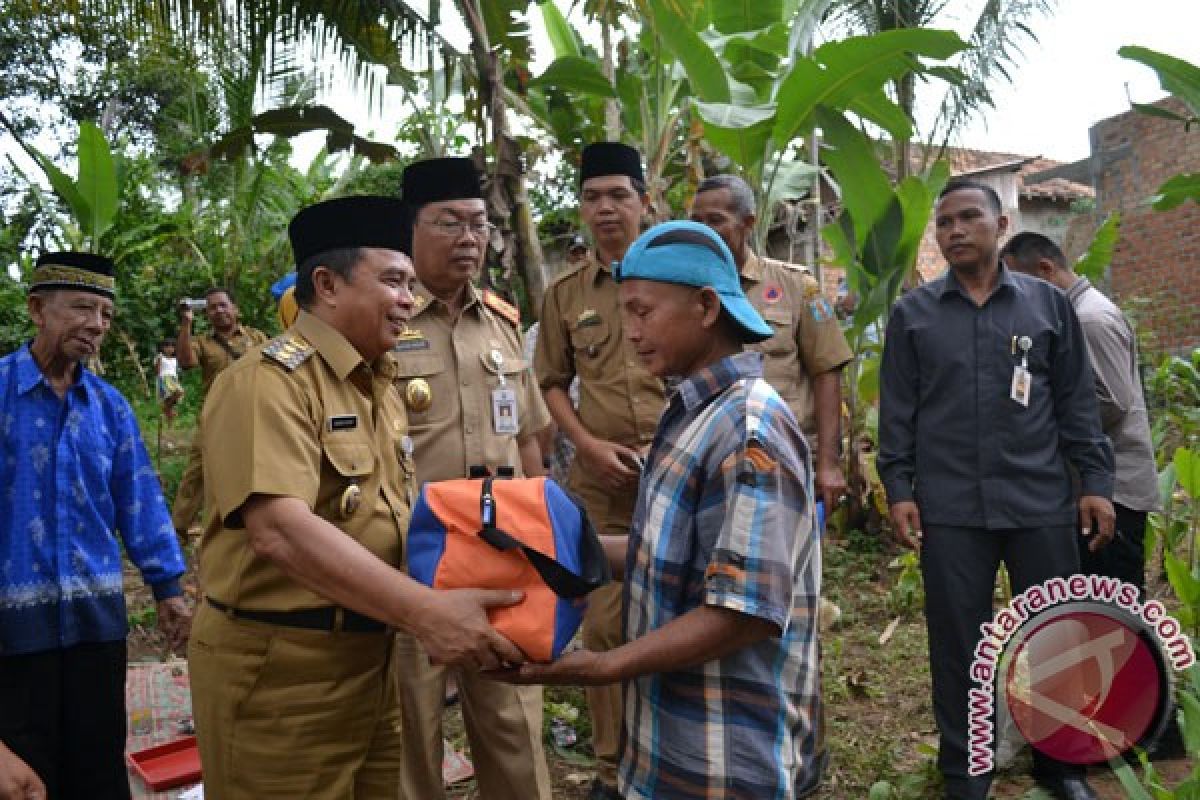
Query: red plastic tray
[(168, 765)]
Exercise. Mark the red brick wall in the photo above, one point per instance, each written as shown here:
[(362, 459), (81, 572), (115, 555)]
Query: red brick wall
[(1158, 253)]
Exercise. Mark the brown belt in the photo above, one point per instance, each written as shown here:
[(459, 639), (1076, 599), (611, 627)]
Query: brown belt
[(329, 618)]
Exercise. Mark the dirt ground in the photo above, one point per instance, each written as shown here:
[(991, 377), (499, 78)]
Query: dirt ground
[(878, 710)]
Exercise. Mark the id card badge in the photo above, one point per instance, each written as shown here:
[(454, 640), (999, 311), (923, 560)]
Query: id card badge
[(1022, 381), (504, 411)]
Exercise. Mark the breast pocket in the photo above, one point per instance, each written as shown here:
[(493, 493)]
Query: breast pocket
[(425, 384), (1041, 351), (783, 325), (353, 462), (511, 368), (589, 340)]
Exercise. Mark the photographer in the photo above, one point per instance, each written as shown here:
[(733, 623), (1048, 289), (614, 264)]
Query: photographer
[(212, 352)]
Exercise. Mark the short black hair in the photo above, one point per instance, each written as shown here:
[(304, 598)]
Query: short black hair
[(1028, 247), (341, 260), (959, 184), (210, 291)]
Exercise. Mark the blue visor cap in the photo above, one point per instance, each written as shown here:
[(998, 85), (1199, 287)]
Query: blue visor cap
[(692, 254)]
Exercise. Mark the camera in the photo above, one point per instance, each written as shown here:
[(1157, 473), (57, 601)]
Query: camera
[(198, 304)]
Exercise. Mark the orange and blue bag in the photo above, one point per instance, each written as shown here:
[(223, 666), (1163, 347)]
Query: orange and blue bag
[(499, 533)]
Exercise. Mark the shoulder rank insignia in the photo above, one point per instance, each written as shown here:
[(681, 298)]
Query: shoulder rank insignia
[(289, 350), (502, 307)]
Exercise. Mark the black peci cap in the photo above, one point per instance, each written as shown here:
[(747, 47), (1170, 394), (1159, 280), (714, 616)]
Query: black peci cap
[(358, 221), (610, 158)]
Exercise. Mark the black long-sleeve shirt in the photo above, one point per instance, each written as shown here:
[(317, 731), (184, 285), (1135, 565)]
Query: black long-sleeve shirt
[(951, 436)]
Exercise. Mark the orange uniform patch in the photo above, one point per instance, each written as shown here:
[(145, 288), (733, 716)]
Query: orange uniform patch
[(502, 307)]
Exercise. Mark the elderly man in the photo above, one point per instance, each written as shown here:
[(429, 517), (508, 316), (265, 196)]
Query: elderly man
[(79, 487), (212, 352), (292, 684), (985, 397), (472, 401), (803, 360), (619, 401)]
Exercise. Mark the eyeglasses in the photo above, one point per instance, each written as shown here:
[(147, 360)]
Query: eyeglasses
[(454, 229)]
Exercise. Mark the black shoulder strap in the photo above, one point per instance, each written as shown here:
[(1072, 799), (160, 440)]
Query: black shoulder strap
[(561, 580)]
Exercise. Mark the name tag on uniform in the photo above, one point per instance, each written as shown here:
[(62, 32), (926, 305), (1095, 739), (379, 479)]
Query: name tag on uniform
[(504, 411), (343, 422), (1022, 382)]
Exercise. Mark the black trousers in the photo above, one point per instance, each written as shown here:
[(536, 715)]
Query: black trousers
[(63, 713), (959, 566), (1125, 556)]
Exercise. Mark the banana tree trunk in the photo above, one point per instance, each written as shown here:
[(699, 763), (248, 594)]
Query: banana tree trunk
[(516, 241)]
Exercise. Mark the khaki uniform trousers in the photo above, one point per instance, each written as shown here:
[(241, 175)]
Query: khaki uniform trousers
[(286, 712), (189, 497), (604, 619), (503, 724)]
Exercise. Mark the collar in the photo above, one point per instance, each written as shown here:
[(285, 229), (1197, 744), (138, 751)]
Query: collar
[(238, 330), (715, 378), (950, 282), (337, 351), (1078, 288), (752, 270), (423, 299), (595, 268), (29, 374)]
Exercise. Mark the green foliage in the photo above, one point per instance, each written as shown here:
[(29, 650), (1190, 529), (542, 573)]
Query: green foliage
[(562, 36), (778, 94), (1176, 76), (1182, 79), (907, 594), (1094, 263), (575, 74), (91, 198), (294, 121), (1176, 191), (1152, 785)]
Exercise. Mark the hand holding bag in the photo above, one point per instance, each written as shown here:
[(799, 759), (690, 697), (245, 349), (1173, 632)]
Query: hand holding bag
[(526, 534)]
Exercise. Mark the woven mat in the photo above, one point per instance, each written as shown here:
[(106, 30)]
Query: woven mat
[(158, 705)]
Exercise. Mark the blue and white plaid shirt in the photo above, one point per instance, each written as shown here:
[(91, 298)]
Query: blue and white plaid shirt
[(725, 519), (73, 472)]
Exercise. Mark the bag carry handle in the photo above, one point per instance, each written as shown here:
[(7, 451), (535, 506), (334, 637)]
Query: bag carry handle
[(561, 580)]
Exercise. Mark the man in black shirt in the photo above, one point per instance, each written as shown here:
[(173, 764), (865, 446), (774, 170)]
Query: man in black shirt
[(986, 396)]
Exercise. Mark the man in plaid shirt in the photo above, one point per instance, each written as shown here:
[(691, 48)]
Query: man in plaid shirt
[(720, 669)]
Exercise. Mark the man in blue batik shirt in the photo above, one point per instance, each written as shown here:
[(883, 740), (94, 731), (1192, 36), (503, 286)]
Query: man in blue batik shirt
[(75, 476)]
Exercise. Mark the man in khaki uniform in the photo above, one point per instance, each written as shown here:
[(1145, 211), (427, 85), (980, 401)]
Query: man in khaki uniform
[(472, 401), (213, 352), (803, 361), (619, 401), (292, 687)]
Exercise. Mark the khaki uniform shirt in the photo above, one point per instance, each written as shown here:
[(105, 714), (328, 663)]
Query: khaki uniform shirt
[(808, 339), (447, 371), (312, 421), (619, 401), (213, 356)]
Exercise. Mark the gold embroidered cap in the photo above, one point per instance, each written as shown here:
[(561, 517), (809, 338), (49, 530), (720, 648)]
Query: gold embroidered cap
[(82, 272)]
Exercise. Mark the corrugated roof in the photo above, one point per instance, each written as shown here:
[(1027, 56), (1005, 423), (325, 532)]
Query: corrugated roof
[(965, 161)]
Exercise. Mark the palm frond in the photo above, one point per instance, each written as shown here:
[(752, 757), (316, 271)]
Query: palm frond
[(1001, 31)]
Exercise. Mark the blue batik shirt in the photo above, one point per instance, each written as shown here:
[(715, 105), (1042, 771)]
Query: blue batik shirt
[(73, 475), (725, 519)]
